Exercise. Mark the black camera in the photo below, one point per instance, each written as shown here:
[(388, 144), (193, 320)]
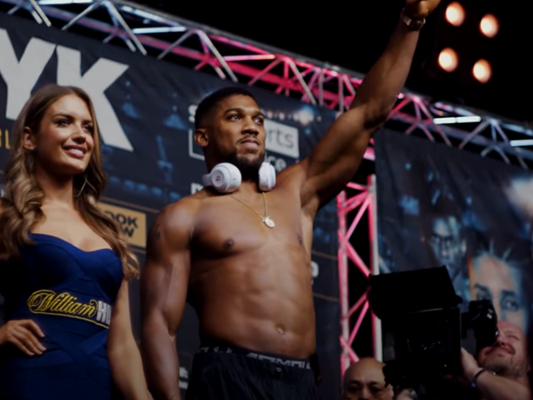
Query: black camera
[(482, 321), (423, 327)]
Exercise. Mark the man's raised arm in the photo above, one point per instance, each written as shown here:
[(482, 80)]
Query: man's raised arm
[(163, 296), (338, 155)]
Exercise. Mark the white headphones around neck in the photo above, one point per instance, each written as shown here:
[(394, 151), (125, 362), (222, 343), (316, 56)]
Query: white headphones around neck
[(226, 177)]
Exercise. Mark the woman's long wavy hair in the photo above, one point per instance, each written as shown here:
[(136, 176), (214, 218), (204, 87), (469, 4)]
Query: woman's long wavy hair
[(21, 205)]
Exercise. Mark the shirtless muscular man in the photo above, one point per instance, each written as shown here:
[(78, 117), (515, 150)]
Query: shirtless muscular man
[(240, 252)]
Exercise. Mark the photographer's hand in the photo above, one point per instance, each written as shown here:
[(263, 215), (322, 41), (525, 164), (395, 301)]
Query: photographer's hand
[(493, 387), (469, 364)]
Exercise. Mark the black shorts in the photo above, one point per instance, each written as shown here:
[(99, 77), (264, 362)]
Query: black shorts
[(230, 373)]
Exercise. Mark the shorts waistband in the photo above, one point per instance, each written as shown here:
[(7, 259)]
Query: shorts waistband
[(275, 359)]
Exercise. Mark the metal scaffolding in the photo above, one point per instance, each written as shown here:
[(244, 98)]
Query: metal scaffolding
[(163, 36), (154, 33), (363, 203)]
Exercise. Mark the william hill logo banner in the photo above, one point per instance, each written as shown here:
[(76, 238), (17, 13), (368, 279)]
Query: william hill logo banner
[(133, 223)]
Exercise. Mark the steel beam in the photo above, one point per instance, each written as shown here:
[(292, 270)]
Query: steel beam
[(311, 80)]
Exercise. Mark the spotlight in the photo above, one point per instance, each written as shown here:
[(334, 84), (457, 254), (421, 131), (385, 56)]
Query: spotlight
[(489, 25), (448, 60), (482, 71), (455, 14)]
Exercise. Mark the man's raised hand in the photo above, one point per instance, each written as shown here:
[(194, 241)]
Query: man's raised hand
[(420, 9)]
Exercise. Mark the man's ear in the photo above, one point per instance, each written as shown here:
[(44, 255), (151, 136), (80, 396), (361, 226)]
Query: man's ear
[(28, 139), (201, 138)]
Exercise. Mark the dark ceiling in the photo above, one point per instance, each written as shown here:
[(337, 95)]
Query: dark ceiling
[(354, 35)]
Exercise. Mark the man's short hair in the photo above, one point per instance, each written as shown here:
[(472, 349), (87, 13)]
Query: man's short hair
[(209, 103)]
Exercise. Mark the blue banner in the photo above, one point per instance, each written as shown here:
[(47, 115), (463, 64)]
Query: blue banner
[(441, 206)]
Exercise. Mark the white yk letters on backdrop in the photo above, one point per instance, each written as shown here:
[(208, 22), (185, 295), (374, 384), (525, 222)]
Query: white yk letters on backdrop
[(21, 76)]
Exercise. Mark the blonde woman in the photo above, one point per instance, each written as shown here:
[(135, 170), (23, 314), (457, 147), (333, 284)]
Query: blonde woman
[(64, 268)]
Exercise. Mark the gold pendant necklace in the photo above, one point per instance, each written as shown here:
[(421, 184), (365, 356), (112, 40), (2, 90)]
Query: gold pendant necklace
[(266, 219)]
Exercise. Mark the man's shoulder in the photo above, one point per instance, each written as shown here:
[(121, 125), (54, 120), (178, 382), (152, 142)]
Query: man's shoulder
[(293, 176), (178, 215), (181, 208)]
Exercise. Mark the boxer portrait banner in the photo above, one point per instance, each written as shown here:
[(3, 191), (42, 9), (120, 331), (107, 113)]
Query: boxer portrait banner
[(442, 206), (145, 110)]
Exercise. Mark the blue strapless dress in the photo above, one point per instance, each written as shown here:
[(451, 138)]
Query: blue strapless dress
[(69, 293)]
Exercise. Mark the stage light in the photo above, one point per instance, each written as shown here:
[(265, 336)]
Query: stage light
[(482, 71), (455, 14), (489, 25), (456, 120), (448, 60), (522, 142), (61, 2), (161, 29)]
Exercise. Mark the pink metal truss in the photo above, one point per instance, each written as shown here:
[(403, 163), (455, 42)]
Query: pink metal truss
[(164, 36), (350, 262), (153, 33)]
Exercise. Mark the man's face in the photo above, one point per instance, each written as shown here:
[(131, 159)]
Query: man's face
[(365, 381), (495, 280), (446, 242), (508, 356), (236, 133)]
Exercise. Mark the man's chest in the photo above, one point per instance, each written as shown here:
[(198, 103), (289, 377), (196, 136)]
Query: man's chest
[(230, 227)]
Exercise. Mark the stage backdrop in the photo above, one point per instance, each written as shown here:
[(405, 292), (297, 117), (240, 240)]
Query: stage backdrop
[(442, 206), (145, 110)]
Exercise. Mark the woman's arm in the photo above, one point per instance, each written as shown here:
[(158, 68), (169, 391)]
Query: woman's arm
[(123, 353), (25, 334)]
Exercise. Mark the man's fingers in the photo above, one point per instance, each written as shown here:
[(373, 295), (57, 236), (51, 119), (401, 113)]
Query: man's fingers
[(32, 326)]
